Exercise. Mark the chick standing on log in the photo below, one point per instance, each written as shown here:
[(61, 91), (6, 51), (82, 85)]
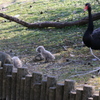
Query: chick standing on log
[(16, 62), (47, 55)]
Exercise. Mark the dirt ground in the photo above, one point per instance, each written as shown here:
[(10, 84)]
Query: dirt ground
[(63, 67)]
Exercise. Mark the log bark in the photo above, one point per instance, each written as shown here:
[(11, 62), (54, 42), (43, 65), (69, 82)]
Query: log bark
[(82, 21)]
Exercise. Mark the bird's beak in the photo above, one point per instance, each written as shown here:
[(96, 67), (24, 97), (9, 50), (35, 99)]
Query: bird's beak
[(86, 7)]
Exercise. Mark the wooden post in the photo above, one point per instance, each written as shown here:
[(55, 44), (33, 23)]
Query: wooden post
[(7, 70), (1, 81), (96, 97), (27, 87), (88, 91), (52, 93), (79, 94), (51, 82), (43, 90), (69, 85), (37, 91), (8, 87), (22, 88), (21, 73), (14, 83), (36, 78), (99, 93), (0, 64), (59, 91), (72, 95)]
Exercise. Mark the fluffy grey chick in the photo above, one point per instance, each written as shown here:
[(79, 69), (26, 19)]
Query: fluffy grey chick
[(47, 55), (5, 58), (16, 62)]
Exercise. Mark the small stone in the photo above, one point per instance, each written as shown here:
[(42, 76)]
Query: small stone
[(38, 57), (93, 76)]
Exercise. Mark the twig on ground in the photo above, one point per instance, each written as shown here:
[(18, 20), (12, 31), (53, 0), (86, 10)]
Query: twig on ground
[(93, 71)]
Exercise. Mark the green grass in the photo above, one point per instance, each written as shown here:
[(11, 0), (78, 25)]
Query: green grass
[(23, 41)]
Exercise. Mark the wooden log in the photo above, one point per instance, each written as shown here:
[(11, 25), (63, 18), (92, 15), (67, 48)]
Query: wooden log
[(52, 93), (43, 90), (27, 87), (79, 94), (36, 78), (37, 91), (22, 72), (96, 97), (51, 82), (22, 88), (90, 98), (7, 70), (82, 21), (59, 91), (72, 95), (69, 85), (8, 87), (14, 83), (88, 91), (1, 81)]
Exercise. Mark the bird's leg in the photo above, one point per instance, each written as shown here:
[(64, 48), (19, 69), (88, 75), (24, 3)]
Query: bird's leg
[(93, 54)]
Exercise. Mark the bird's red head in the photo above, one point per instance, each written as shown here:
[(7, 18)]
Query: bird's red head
[(86, 7)]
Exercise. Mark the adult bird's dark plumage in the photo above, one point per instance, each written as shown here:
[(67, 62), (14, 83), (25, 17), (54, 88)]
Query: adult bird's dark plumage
[(91, 37)]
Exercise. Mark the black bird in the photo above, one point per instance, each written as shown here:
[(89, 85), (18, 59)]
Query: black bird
[(91, 37)]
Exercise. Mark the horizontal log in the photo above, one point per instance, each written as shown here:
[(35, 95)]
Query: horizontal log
[(82, 21)]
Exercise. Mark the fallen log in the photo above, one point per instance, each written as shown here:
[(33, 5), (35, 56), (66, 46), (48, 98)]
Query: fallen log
[(83, 21)]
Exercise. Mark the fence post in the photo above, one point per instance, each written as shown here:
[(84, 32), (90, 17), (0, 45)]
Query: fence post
[(69, 85), (7, 70), (37, 91), (51, 82), (99, 93), (88, 91), (20, 73), (79, 94), (43, 90), (1, 81), (72, 95), (52, 93), (14, 82), (27, 87), (22, 88), (59, 91), (36, 78), (8, 87), (96, 97), (90, 98)]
